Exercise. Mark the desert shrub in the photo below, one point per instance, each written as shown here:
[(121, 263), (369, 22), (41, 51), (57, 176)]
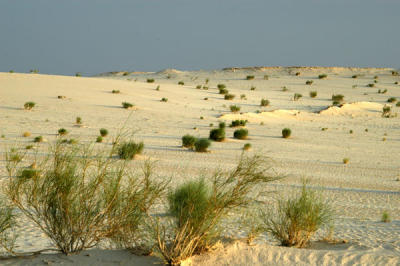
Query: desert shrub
[(297, 219), (264, 102), (297, 96), (103, 132), (354, 76), (158, 88), (238, 123), (197, 208), (202, 144), (11, 71), (205, 87), (78, 120), (391, 100), (229, 96), (376, 77), (398, 104), (62, 132), (198, 87), (234, 108), (150, 80), (164, 99), (221, 86), (309, 82), (34, 71), (351, 131), (99, 139), (115, 91), (249, 77), (284, 88), (313, 94), (28, 147), (128, 150), (337, 99), (78, 74), (297, 74), (223, 91), (188, 141), (286, 132), (385, 217), (375, 81), (201, 117), (246, 146), (206, 99), (127, 105), (266, 77), (386, 111), (395, 73), (181, 83), (242, 96), (125, 74), (241, 133), (346, 160), (7, 226), (26, 134), (80, 196), (29, 105), (396, 83), (61, 97), (253, 88), (322, 76), (217, 134), (371, 85), (38, 139), (222, 125)]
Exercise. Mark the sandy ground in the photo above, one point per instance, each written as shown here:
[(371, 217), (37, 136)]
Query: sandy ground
[(359, 191)]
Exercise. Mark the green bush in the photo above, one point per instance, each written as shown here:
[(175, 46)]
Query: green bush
[(234, 108), (150, 80), (286, 132), (164, 99), (243, 97), (250, 77), (266, 77), (354, 76), (346, 160), (198, 87), (238, 123), (103, 132), (385, 217), (217, 134), (323, 76), (128, 150), (313, 94), (62, 132), (297, 96), (99, 139), (188, 141), (223, 91), (7, 226), (241, 133), (309, 82), (246, 146), (115, 91), (371, 85), (127, 105), (38, 139), (221, 86), (395, 73), (387, 111), (78, 74), (229, 96), (391, 100), (181, 83), (78, 120), (264, 102), (253, 88), (337, 99), (29, 105), (202, 144), (398, 104)]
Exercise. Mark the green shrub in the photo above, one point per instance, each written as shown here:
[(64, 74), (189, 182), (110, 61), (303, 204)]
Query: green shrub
[(127, 105), (150, 80), (253, 88), (234, 108), (221, 86), (354, 76), (115, 91), (346, 160), (387, 111), (241, 133), (128, 150), (297, 96), (246, 146), (249, 77), (78, 120), (62, 132), (38, 139), (61, 97), (323, 76), (29, 105), (297, 74), (188, 141), (396, 83), (297, 219), (78, 74), (337, 99), (309, 82), (286, 132), (99, 139), (243, 97), (103, 132), (238, 123), (264, 102), (385, 217), (164, 99), (223, 91), (391, 100), (313, 94), (181, 83), (229, 96), (284, 88), (266, 77), (198, 87), (371, 85), (202, 144), (217, 134), (398, 104), (395, 73), (26, 134), (28, 147), (158, 88)]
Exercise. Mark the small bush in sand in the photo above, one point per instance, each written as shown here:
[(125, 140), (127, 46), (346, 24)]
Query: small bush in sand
[(205, 88), (376, 77), (198, 207), (125, 74), (382, 91), (78, 74), (371, 85), (198, 87), (264, 102), (202, 144), (249, 77), (38, 139), (26, 134), (221, 86), (286, 132), (323, 76), (313, 94), (115, 91), (150, 80), (309, 82), (297, 74), (223, 91), (391, 100), (128, 150), (62, 132), (188, 141), (395, 73), (253, 88), (284, 88), (297, 96), (7, 226), (234, 108), (163, 99), (201, 117), (346, 160), (387, 111), (354, 76), (158, 88), (99, 139), (29, 105), (61, 97), (28, 147), (127, 105), (205, 99), (266, 77), (246, 146), (398, 104), (337, 99), (385, 217), (243, 97), (297, 219), (396, 83), (79, 197), (181, 83), (217, 134), (103, 132), (241, 133), (351, 131), (229, 96), (78, 120), (238, 123)]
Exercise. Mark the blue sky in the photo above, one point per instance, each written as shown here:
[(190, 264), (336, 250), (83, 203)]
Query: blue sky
[(93, 36)]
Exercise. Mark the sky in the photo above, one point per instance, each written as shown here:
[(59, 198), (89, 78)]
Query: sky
[(95, 36)]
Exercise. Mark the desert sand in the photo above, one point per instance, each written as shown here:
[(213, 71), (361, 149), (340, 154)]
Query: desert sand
[(359, 191)]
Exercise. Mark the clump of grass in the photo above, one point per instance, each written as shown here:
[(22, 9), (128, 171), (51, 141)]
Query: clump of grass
[(322, 76), (234, 108), (371, 85), (264, 102), (29, 105), (382, 91), (266, 77), (62, 132), (198, 87), (28, 147), (243, 97), (238, 123), (354, 76), (249, 77), (115, 91), (387, 111), (125, 74), (163, 99), (229, 96), (241, 133), (395, 73), (78, 120), (103, 132), (127, 105), (38, 139), (385, 217), (391, 100), (99, 139), (221, 86), (218, 134), (398, 104), (396, 83), (297, 96), (247, 146), (158, 88), (253, 88), (26, 134), (337, 99), (351, 131), (78, 74), (7, 226), (188, 141), (297, 219), (128, 150), (181, 83), (313, 94), (286, 132), (202, 145), (309, 82), (297, 74), (346, 160), (150, 80), (284, 88), (61, 97)]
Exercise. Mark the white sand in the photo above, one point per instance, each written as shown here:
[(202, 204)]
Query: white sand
[(359, 191)]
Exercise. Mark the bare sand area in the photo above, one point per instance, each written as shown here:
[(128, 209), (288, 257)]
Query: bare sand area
[(322, 136)]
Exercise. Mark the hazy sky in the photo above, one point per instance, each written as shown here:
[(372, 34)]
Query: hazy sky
[(93, 36)]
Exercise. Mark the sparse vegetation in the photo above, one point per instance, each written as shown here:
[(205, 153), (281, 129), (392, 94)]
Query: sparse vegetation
[(371, 85), (158, 88), (395, 73), (234, 108), (61, 97), (26, 134), (337, 99), (103, 132), (181, 83), (385, 217), (297, 96), (150, 80), (243, 97), (241, 133), (38, 139), (99, 139), (238, 123), (392, 100), (221, 86), (128, 150), (284, 88), (323, 76), (297, 74), (246, 146), (29, 105), (127, 105), (313, 94), (286, 132), (163, 99), (253, 88), (78, 120), (202, 144), (346, 160), (354, 76), (229, 96), (115, 91), (266, 77), (62, 132), (387, 111), (309, 82), (188, 141), (218, 134), (264, 102), (249, 77)]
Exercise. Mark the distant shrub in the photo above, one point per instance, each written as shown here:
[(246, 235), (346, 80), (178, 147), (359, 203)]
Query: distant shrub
[(351, 131), (188, 141), (246, 146), (313, 94), (38, 139), (249, 77), (229, 96), (391, 100), (371, 85), (221, 86), (29, 105), (284, 88), (34, 71), (395, 73), (127, 105), (181, 83), (234, 108), (398, 104), (125, 74), (396, 83), (128, 150), (346, 160), (28, 147), (198, 87), (286, 132), (238, 123), (62, 132), (206, 98), (323, 76), (201, 117), (297, 96), (103, 132), (61, 97), (266, 77), (223, 91), (337, 99), (222, 125), (202, 144), (243, 97), (354, 76), (78, 74), (164, 99), (241, 133), (150, 80), (376, 77), (253, 88), (387, 111), (217, 134), (264, 102), (115, 91), (78, 120), (158, 88), (297, 74), (385, 217), (382, 91), (99, 139), (309, 82), (11, 71), (205, 88), (26, 134)]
